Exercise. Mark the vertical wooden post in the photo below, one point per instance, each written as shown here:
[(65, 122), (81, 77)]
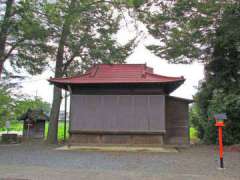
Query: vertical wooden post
[(220, 146), (219, 118), (65, 117), (70, 115), (220, 124)]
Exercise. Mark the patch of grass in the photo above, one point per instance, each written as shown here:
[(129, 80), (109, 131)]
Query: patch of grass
[(60, 130), (14, 126), (193, 134)]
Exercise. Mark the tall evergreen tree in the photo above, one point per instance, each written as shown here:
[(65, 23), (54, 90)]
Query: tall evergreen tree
[(83, 33), (220, 91), (22, 36)]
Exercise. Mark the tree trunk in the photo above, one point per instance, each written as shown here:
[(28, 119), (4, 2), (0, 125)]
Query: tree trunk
[(57, 93), (3, 33), (1, 68), (54, 116)]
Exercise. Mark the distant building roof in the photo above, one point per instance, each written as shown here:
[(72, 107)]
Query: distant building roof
[(35, 115), (118, 74)]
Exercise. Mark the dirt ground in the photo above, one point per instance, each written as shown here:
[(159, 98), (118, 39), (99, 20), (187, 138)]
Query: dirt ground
[(30, 161)]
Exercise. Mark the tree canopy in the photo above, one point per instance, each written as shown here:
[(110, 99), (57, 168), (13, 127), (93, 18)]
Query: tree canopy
[(186, 28), (11, 108), (22, 37), (89, 29), (220, 91)]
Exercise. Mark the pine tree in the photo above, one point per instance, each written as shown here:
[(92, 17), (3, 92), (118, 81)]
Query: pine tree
[(22, 37), (83, 33)]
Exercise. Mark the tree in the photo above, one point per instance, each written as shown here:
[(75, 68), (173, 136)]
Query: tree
[(219, 92), (3, 33), (22, 106), (23, 36), (186, 28), (6, 105), (83, 32)]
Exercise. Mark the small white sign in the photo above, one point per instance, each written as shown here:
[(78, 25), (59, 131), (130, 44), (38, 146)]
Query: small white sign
[(8, 124), (222, 116)]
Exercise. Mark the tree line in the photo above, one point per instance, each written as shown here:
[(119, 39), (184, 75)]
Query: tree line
[(12, 108)]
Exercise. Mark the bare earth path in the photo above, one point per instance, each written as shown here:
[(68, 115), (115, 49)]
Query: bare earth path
[(38, 161)]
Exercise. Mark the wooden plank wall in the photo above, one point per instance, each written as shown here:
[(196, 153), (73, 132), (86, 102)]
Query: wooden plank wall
[(177, 126), (118, 113)]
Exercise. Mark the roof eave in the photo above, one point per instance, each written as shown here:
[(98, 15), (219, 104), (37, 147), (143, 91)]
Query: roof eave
[(170, 85)]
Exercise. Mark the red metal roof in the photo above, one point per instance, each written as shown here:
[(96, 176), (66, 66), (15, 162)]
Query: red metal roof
[(117, 73)]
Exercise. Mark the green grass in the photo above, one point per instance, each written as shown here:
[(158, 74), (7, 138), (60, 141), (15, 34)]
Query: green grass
[(15, 126), (193, 134), (60, 130)]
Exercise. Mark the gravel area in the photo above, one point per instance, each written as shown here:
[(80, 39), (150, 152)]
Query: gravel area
[(30, 161)]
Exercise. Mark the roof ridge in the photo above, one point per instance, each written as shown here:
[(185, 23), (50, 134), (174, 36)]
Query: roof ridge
[(70, 77), (172, 77)]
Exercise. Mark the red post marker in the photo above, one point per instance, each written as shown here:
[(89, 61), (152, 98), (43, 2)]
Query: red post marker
[(220, 124)]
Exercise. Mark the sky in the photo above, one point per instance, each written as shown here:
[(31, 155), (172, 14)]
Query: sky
[(129, 29)]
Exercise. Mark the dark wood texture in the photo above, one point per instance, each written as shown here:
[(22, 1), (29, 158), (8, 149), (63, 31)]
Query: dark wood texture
[(118, 113), (130, 139), (138, 88), (118, 132), (127, 116), (177, 126), (36, 130)]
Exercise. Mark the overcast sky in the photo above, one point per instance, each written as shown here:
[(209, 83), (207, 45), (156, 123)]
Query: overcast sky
[(38, 85)]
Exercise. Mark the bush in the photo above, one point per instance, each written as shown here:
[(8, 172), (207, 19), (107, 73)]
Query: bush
[(6, 106), (207, 132)]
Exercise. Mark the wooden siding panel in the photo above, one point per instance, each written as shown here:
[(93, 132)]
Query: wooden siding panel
[(124, 111), (140, 114), (177, 127), (118, 112), (157, 120)]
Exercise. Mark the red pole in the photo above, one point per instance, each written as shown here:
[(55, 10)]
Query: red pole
[(220, 145)]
